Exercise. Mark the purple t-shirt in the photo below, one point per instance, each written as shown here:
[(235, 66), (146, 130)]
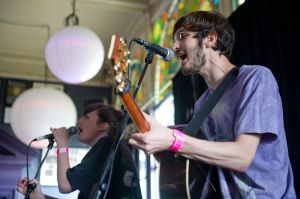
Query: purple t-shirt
[(252, 104)]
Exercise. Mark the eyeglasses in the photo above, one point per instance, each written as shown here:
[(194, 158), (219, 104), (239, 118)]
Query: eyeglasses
[(180, 36)]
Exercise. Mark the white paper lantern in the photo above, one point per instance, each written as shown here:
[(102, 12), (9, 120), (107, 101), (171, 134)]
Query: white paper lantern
[(38, 109), (75, 54)]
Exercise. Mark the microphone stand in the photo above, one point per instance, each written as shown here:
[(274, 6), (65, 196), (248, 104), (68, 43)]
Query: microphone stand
[(31, 187), (103, 184)]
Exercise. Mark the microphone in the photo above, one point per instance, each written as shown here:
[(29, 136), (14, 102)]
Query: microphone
[(72, 131), (166, 53)]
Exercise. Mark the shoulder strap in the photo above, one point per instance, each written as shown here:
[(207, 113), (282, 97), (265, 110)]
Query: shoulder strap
[(194, 125)]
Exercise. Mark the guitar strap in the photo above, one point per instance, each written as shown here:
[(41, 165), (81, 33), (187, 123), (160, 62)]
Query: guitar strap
[(210, 187), (193, 126)]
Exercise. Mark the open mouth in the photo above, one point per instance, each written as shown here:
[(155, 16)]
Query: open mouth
[(80, 129), (181, 55)]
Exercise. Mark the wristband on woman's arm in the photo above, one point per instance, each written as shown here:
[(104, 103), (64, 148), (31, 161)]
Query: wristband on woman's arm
[(62, 150), (178, 142)]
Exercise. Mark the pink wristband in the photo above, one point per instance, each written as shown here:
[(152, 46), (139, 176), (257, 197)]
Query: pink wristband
[(62, 150), (178, 142)]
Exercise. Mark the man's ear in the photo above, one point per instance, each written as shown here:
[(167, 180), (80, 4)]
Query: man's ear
[(210, 39)]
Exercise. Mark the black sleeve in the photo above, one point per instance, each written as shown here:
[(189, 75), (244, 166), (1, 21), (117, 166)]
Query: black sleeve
[(82, 176)]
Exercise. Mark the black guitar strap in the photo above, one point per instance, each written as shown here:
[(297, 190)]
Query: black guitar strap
[(193, 126), (211, 187)]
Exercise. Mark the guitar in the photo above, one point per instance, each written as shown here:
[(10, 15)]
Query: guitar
[(178, 176)]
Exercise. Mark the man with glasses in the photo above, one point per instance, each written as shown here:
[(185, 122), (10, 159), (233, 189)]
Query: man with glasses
[(245, 130)]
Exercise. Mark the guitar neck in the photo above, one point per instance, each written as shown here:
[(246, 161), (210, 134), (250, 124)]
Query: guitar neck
[(118, 54), (135, 113)]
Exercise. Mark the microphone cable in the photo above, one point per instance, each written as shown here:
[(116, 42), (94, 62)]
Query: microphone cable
[(31, 187)]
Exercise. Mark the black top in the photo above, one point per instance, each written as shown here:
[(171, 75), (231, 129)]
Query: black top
[(125, 180)]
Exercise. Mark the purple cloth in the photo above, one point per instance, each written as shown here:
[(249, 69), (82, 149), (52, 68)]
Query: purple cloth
[(252, 104)]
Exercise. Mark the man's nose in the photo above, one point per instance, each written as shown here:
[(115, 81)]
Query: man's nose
[(175, 45)]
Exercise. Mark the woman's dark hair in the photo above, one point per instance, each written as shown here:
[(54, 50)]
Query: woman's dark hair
[(205, 22), (108, 114)]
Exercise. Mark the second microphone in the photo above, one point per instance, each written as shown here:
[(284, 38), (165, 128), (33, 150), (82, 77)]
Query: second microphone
[(72, 131)]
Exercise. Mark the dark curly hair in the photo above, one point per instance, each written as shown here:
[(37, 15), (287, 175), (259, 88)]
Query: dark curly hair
[(205, 22), (108, 114)]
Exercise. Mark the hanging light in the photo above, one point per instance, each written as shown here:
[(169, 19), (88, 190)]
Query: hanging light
[(74, 54), (38, 109)]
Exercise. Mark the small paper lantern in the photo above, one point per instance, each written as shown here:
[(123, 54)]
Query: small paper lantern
[(75, 54), (38, 109)]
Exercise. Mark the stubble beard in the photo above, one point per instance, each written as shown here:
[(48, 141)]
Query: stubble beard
[(198, 60)]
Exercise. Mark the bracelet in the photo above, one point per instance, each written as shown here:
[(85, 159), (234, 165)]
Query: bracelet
[(178, 142), (62, 150)]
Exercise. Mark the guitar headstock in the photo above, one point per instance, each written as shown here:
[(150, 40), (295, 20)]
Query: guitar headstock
[(118, 54)]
